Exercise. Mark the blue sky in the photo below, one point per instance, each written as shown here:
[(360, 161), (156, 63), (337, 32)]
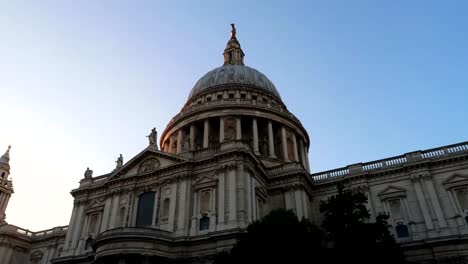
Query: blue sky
[(83, 81)]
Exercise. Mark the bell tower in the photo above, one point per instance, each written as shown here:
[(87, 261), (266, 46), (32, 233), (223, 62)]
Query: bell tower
[(6, 186)]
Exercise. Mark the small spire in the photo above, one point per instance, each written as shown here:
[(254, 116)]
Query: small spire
[(6, 157), (233, 53)]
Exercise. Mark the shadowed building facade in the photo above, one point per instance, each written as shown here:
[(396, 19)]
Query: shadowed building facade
[(232, 154)]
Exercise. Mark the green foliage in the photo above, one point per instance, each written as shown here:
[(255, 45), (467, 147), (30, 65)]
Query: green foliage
[(279, 236), (354, 238), (351, 238)]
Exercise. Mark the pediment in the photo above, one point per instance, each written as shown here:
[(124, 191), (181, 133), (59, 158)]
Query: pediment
[(392, 192), (456, 180), (147, 161), (205, 182), (95, 205)]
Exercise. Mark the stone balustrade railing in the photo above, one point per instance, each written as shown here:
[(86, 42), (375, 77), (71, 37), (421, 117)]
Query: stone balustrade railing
[(206, 151), (396, 161), (60, 230), (234, 102), (100, 179)]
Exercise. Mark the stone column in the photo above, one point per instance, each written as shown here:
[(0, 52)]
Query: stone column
[(247, 193), (301, 153), (255, 135), (298, 204), (221, 129), (172, 206), (50, 254), (180, 140), (71, 225), (221, 195), (232, 194), (238, 129), (271, 142), (206, 127), (435, 202), (115, 211), (306, 154), (422, 202), (240, 193), (77, 228), (296, 153), (284, 143), (171, 143), (182, 216), (106, 213), (254, 198), (8, 254), (192, 137), (456, 208)]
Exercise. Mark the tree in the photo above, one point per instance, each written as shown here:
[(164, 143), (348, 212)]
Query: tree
[(278, 237), (353, 237)]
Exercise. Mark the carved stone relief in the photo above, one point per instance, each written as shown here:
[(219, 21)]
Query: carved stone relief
[(229, 128), (149, 165)]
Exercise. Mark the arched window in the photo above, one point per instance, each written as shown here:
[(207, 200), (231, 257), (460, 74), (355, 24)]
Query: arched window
[(165, 211), (145, 209), (3, 175)]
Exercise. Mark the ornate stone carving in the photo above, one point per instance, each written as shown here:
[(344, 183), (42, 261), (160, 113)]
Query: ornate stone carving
[(229, 128), (149, 165)]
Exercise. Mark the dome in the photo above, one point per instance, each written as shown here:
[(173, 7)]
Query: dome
[(234, 74)]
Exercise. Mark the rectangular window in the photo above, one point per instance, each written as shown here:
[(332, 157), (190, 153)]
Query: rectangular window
[(231, 96), (219, 97), (462, 198), (254, 97), (205, 202), (208, 98), (145, 209), (395, 209), (93, 223), (243, 95)]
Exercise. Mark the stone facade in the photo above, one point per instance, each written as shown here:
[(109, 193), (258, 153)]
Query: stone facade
[(231, 155)]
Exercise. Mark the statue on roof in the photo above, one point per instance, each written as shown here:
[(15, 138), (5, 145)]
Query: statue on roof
[(119, 162), (153, 138), (88, 173)]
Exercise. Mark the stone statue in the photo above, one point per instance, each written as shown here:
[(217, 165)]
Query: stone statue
[(88, 173), (153, 138), (233, 31), (119, 162)]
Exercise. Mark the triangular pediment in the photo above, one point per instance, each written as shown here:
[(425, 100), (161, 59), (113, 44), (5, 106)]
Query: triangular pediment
[(205, 181), (147, 161), (95, 205), (392, 192), (456, 180)]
